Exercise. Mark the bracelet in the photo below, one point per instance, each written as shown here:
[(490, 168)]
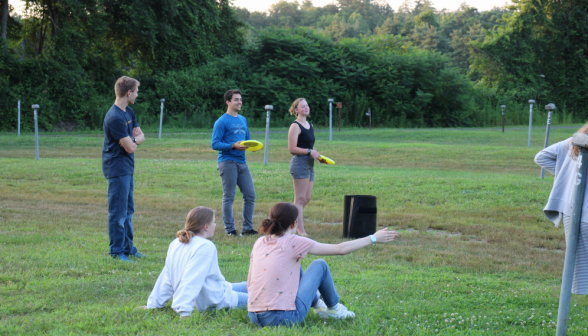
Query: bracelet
[(373, 238)]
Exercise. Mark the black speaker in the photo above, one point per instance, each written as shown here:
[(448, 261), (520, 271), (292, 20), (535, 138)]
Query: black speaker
[(359, 217)]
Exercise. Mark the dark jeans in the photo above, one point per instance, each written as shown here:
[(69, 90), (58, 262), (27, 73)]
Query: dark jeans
[(235, 174), (317, 276), (120, 215)]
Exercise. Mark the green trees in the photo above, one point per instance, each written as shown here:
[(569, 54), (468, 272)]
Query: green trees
[(67, 54), (403, 87), (546, 38)]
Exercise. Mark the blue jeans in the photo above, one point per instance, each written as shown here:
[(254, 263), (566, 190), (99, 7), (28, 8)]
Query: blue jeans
[(120, 215), (317, 276), (235, 174), (241, 289)]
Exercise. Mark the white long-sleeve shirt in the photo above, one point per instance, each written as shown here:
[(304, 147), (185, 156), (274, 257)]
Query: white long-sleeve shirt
[(192, 276)]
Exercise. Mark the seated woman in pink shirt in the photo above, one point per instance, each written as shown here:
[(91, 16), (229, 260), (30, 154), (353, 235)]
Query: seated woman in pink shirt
[(280, 293)]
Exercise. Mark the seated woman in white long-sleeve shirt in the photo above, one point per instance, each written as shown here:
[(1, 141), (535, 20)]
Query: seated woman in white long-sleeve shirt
[(191, 273)]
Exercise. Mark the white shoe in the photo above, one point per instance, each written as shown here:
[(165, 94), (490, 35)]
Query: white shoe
[(320, 306), (337, 312)]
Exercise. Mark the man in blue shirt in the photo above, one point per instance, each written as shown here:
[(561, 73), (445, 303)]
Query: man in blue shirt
[(228, 132), (122, 135)]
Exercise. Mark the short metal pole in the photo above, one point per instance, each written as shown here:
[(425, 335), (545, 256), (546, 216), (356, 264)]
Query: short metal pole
[(581, 140), (331, 119), (502, 107), (369, 114), (550, 108), (531, 102), (267, 124), (35, 107), (162, 100), (19, 118)]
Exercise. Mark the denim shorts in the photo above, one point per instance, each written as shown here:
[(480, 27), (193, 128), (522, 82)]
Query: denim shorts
[(302, 167)]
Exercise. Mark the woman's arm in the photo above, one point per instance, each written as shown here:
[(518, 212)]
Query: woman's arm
[(162, 292), (293, 134), (192, 281), (547, 158), (382, 236)]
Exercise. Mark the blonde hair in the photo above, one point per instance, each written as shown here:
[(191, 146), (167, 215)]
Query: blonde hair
[(124, 85), (195, 221), (575, 151), (295, 105)]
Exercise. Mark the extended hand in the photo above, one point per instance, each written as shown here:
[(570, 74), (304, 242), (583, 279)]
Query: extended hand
[(385, 236)]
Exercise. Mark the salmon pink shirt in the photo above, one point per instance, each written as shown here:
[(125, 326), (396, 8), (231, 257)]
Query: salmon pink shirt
[(274, 272)]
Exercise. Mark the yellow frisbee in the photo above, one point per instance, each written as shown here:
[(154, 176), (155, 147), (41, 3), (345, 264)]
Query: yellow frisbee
[(324, 159), (253, 145)]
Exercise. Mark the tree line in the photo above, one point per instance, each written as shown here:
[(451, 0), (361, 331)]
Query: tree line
[(414, 66)]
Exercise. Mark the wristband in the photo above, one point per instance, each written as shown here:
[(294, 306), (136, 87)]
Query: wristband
[(232, 146), (309, 151), (373, 238)]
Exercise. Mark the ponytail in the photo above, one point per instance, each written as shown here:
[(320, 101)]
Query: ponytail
[(185, 236)]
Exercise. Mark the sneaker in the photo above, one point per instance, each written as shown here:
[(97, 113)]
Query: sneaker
[(249, 233), (233, 233), (337, 312), (320, 307), (124, 258), (138, 255)]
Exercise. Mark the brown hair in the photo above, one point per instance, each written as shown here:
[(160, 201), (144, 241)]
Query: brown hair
[(125, 84), (282, 215), (295, 105), (575, 151), (195, 221), (229, 94)]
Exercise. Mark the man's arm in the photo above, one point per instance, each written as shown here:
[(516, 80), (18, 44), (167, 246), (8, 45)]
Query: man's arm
[(128, 144), (138, 134), (217, 135)]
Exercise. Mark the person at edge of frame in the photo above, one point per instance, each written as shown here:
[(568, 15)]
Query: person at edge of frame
[(560, 159), (227, 134), (122, 135)]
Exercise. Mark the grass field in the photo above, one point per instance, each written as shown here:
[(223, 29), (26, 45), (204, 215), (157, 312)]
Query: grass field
[(475, 254)]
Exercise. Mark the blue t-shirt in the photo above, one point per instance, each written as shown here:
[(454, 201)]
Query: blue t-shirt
[(227, 130), (118, 124)]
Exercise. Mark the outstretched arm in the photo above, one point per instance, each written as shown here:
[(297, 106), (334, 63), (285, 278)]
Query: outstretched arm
[(382, 236)]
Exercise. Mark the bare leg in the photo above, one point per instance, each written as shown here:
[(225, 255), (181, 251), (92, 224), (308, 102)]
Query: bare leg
[(302, 194)]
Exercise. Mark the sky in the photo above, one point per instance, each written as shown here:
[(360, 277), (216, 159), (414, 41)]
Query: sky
[(262, 5)]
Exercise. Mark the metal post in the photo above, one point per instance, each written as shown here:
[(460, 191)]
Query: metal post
[(35, 107), (162, 100), (339, 107), (502, 107), (331, 119), (19, 118), (531, 102), (267, 123), (369, 114), (550, 108), (581, 140)]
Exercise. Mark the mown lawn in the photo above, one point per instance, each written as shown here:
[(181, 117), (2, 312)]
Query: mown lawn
[(475, 253)]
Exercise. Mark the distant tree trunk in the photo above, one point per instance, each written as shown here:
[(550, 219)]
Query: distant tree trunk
[(4, 8)]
